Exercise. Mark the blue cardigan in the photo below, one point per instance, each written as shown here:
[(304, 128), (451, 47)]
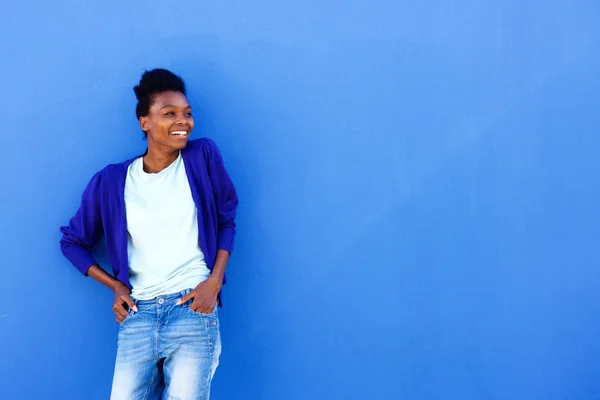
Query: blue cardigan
[(102, 211)]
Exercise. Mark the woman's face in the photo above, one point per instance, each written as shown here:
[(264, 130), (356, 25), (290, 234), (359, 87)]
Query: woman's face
[(169, 122)]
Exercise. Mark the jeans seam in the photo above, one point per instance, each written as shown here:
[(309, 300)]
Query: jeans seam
[(210, 350), (156, 355), (168, 389), (150, 384), (215, 355), (155, 369)]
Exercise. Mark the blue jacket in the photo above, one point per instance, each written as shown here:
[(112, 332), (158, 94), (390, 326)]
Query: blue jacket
[(102, 211)]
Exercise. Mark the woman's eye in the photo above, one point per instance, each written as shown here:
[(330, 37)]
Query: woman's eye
[(189, 114), (170, 113)]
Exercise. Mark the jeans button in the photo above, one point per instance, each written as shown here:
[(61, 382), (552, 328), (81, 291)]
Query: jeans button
[(161, 300)]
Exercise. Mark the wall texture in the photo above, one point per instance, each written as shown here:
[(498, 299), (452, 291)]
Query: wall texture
[(418, 184)]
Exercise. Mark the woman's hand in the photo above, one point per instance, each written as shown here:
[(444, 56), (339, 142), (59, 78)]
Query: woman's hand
[(120, 290), (204, 295), (122, 296)]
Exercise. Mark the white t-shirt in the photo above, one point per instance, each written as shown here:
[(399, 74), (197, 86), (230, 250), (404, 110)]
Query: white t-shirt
[(162, 231)]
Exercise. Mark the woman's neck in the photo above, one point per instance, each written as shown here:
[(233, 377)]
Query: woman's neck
[(156, 160)]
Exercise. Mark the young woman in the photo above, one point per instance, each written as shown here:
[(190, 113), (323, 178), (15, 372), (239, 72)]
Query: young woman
[(168, 217)]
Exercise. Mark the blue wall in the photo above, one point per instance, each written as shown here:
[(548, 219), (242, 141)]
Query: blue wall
[(419, 187)]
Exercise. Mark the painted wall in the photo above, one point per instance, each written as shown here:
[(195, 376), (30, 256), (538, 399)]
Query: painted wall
[(418, 185)]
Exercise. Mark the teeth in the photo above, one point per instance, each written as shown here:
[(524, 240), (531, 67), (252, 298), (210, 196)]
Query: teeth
[(179, 133)]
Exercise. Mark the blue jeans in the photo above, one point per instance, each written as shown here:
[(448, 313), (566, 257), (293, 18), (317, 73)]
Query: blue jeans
[(166, 351)]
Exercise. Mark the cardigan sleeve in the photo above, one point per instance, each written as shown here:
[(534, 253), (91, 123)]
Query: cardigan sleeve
[(84, 229), (225, 196)]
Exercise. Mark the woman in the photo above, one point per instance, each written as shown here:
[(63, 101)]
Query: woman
[(168, 217)]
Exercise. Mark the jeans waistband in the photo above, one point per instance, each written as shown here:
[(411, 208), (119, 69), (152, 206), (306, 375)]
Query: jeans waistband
[(162, 300)]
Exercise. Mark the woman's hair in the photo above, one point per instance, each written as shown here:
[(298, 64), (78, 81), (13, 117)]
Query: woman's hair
[(152, 82)]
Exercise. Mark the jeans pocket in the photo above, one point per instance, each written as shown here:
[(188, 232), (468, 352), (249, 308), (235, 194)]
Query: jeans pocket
[(213, 314), (130, 313)]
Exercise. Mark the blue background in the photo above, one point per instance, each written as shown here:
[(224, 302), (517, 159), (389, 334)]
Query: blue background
[(418, 184)]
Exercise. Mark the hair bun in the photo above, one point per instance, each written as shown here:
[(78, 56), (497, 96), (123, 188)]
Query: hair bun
[(138, 92), (152, 82), (158, 80)]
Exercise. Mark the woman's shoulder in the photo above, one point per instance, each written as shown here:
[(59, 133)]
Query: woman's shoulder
[(203, 147), (116, 169), (201, 144), (112, 172)]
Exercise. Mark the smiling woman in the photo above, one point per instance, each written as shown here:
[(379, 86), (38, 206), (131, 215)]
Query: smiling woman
[(169, 221)]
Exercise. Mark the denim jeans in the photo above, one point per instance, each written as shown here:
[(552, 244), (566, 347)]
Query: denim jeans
[(166, 351)]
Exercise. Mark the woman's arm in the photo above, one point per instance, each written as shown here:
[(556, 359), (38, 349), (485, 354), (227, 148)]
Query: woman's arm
[(226, 202), (84, 229), (225, 195), (122, 292), (79, 236)]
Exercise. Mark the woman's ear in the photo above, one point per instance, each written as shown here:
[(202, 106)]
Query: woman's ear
[(144, 123)]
